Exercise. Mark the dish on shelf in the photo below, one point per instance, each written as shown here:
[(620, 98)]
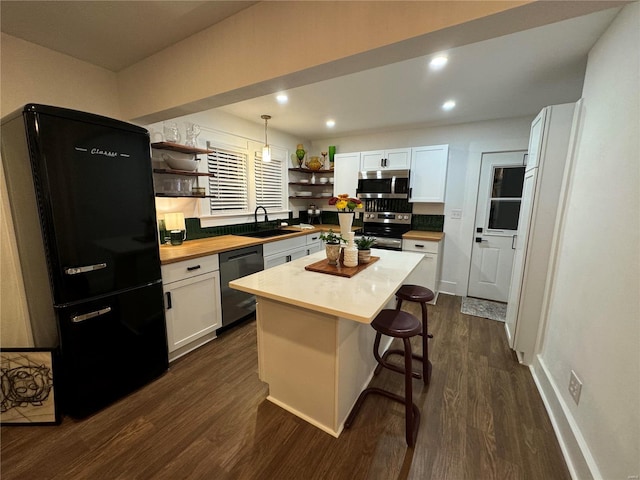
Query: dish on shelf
[(181, 161), (303, 180), (325, 195), (303, 194), (331, 180)]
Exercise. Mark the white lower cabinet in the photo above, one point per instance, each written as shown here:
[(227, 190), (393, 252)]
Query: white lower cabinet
[(427, 273), (283, 251), (193, 309), (314, 244)]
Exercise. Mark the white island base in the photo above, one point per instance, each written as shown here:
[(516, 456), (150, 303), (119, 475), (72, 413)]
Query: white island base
[(316, 364), (315, 341)]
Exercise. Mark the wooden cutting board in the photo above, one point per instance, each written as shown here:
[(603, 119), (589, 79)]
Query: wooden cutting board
[(340, 270)]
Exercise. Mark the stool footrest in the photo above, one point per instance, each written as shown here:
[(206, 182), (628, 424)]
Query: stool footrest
[(411, 434), (384, 363)]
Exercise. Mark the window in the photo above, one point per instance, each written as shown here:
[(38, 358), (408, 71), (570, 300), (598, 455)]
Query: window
[(229, 185), (506, 196), (269, 181), (241, 180)]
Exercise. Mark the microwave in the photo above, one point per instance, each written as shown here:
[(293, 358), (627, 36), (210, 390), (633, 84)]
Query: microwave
[(383, 184)]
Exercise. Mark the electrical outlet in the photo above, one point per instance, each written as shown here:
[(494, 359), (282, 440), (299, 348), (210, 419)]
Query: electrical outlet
[(456, 214), (575, 387)]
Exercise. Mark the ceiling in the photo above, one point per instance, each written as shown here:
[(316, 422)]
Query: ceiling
[(111, 34), (509, 76)]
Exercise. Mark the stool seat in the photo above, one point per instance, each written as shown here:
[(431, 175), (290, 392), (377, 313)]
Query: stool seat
[(398, 324), (415, 293)]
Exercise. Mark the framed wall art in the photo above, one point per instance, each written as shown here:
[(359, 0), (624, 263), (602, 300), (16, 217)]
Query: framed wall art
[(27, 387)]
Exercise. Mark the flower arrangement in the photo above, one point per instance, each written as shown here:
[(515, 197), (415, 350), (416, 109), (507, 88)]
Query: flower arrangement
[(344, 202), (364, 243), (332, 238)]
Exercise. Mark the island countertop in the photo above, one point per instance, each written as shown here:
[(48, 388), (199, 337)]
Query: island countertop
[(358, 298)]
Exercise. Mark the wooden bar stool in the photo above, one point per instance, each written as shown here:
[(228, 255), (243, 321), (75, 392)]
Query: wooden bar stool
[(396, 324), (421, 295)]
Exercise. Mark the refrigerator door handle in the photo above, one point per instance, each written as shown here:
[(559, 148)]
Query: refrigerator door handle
[(87, 316), (87, 268)]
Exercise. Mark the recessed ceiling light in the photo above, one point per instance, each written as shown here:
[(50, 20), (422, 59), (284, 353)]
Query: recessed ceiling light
[(282, 98), (448, 105), (331, 123), (438, 62)]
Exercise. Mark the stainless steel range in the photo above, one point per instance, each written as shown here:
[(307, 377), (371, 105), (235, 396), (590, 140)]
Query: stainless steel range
[(387, 228)]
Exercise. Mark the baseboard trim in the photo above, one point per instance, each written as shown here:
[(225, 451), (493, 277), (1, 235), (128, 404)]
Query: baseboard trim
[(575, 450), (449, 288)]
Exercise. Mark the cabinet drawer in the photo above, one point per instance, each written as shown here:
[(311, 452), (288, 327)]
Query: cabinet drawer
[(283, 245), (189, 268), (313, 238), (423, 246)]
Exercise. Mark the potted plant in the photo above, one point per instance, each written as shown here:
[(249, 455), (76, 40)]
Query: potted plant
[(332, 247), (364, 248)]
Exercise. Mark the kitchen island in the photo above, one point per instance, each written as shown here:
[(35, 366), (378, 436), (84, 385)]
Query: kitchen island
[(314, 338)]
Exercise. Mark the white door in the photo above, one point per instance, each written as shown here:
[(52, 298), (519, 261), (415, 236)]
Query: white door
[(497, 211)]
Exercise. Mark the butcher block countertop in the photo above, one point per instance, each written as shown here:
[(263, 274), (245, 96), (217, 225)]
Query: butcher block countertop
[(421, 235), (223, 243)]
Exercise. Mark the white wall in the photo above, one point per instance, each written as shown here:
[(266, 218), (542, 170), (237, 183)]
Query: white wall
[(220, 123), (466, 142), (594, 313), (34, 74)]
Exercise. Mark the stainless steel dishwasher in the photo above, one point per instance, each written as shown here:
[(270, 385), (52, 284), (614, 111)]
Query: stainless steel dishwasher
[(235, 264)]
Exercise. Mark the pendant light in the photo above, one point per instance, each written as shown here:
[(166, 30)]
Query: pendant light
[(266, 150)]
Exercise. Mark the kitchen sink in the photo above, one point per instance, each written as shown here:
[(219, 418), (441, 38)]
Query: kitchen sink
[(265, 233)]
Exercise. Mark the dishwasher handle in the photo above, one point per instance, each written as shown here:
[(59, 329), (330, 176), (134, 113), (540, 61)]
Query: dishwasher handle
[(242, 255)]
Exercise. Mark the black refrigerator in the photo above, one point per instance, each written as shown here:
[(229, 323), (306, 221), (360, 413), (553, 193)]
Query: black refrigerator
[(81, 193)]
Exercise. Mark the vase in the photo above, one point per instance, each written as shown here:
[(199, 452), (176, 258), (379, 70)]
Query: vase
[(332, 153), (346, 220), (364, 256), (300, 153), (351, 253), (333, 253)]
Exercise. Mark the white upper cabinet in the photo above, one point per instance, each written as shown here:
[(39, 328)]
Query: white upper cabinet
[(345, 173), (395, 159), (428, 173)]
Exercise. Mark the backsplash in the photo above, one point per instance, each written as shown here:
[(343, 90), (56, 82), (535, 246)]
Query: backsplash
[(428, 223), (195, 231)]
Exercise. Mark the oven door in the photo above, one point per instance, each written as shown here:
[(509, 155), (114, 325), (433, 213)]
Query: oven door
[(388, 243)]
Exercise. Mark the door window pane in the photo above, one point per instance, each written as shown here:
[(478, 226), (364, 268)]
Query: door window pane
[(503, 214), (507, 182)]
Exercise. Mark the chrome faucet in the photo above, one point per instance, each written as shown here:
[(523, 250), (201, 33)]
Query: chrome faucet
[(255, 215)]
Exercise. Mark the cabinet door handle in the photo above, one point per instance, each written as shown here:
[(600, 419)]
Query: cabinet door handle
[(168, 294), (410, 192), (288, 258), (195, 267), (418, 245)]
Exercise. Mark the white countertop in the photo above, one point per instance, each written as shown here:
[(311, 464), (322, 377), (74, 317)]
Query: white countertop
[(358, 298)]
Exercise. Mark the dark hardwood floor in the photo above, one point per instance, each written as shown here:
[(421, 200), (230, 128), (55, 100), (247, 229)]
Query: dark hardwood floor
[(207, 417)]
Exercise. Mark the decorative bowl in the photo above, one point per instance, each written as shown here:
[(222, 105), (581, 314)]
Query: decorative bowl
[(186, 162)]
